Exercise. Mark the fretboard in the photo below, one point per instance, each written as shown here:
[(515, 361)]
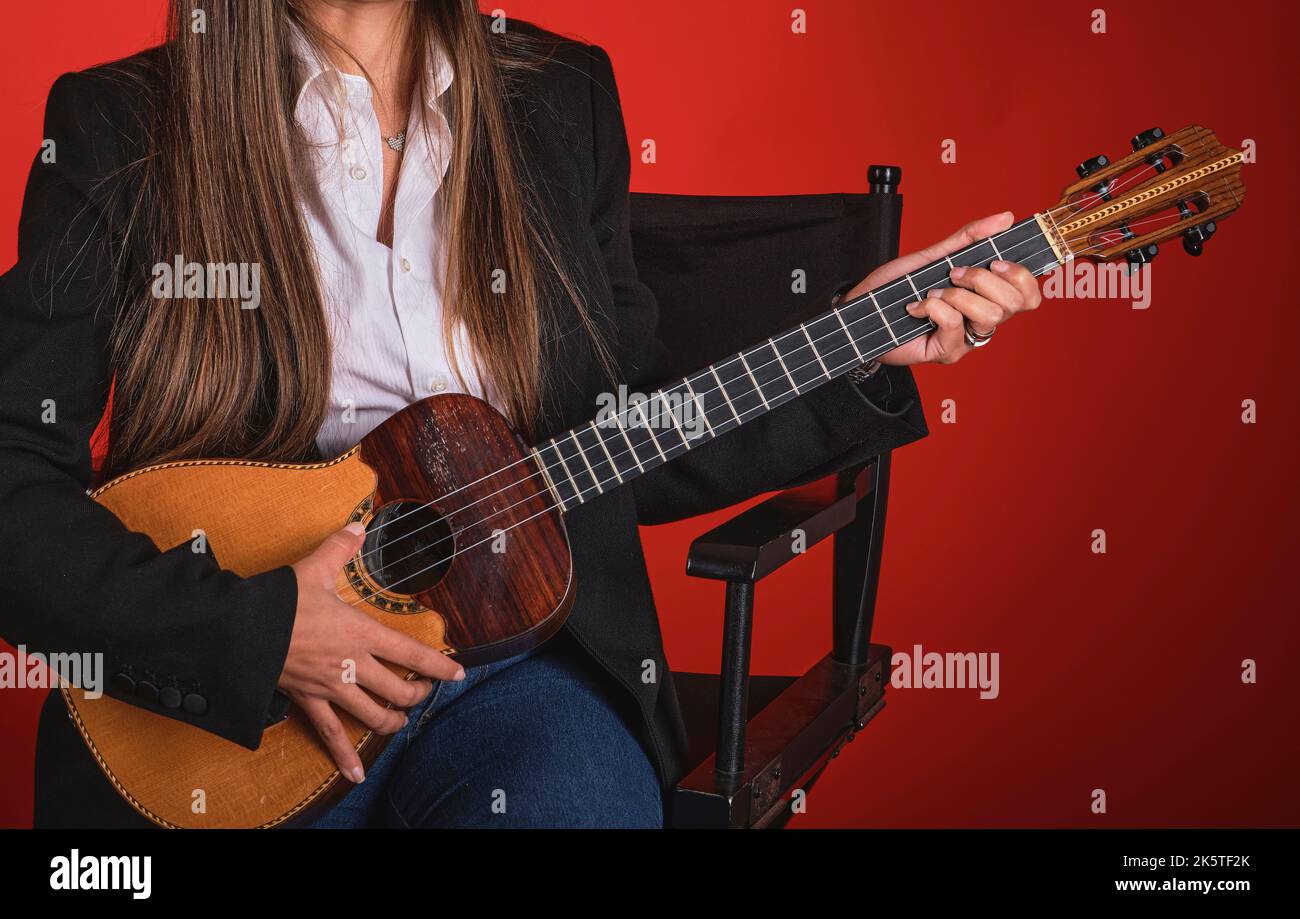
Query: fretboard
[(634, 435)]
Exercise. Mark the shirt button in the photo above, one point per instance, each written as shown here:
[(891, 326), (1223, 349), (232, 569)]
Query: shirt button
[(406, 265), (439, 383), (357, 173)]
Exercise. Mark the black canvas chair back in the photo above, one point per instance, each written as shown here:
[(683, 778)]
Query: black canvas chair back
[(731, 271), (727, 273)]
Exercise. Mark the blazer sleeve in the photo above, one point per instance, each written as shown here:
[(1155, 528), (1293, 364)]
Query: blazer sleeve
[(177, 634), (835, 425)]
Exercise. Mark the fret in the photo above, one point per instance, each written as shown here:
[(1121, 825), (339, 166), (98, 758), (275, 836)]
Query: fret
[(600, 488), (640, 407), (1025, 243), (757, 388), (784, 368), (843, 325), (722, 389), (619, 453), (976, 256), (744, 395), (833, 345), (908, 278), (883, 318), (713, 402), (575, 467), (994, 243), (801, 359), (564, 492), (596, 452), (564, 467), (671, 409), (930, 277), (699, 407), (769, 371), (639, 439), (816, 353), (865, 324)]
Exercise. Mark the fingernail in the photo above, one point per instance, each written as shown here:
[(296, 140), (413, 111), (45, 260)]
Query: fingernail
[(1008, 214), (460, 675), (999, 265), (936, 292), (356, 528), (957, 273), (357, 775)]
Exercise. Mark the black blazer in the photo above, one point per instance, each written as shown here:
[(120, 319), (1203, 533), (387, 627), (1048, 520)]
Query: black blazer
[(169, 617)]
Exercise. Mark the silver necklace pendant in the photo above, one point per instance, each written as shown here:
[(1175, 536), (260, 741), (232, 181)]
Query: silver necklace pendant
[(397, 141)]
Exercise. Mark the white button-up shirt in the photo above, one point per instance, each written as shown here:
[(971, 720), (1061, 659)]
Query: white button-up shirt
[(383, 304)]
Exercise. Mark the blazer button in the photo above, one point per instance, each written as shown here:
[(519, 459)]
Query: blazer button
[(123, 683), (146, 691), (170, 697), (195, 704)]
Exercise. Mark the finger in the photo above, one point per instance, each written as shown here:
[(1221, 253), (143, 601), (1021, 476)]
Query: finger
[(391, 645), (991, 287), (949, 336), (332, 734), (983, 314), (973, 232), (335, 552), (1023, 280), (357, 702), (377, 678)]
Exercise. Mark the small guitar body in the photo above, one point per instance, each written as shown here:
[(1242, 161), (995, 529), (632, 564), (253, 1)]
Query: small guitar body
[(450, 498)]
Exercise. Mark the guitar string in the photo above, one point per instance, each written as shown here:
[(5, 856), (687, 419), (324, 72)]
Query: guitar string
[(1077, 205), (724, 365), (659, 415), (916, 333), (578, 492)]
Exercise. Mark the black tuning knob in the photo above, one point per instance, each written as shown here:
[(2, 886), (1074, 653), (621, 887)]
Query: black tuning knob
[(1089, 166), (1194, 238), (1142, 255), (884, 180), (1147, 138)]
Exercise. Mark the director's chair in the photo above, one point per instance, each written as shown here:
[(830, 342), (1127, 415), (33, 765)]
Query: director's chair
[(754, 740)]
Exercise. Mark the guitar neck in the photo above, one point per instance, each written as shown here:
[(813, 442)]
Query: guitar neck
[(629, 439)]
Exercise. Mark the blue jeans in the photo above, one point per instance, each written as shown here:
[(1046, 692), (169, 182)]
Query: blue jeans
[(539, 740)]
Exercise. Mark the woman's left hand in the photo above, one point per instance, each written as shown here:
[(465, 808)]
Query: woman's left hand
[(984, 298)]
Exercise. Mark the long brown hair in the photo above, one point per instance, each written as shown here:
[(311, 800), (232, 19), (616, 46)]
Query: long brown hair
[(217, 184)]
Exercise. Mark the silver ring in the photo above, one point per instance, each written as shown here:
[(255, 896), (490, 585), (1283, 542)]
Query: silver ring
[(975, 339)]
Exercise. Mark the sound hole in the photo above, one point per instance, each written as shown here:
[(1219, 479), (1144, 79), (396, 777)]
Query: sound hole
[(408, 547)]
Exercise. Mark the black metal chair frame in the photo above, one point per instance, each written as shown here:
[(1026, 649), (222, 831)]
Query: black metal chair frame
[(773, 735)]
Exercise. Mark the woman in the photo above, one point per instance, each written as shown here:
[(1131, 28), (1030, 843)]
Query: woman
[(383, 165)]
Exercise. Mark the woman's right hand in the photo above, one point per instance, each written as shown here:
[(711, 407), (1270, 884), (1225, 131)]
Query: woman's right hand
[(336, 649)]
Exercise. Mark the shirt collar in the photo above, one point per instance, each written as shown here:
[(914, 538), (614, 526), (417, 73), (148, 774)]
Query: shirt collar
[(311, 64)]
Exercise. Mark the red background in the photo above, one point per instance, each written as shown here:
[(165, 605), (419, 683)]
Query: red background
[(1118, 671)]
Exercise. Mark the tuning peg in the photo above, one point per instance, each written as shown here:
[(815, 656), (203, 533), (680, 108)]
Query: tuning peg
[(1140, 256), (1194, 238), (1147, 138), (1089, 166)]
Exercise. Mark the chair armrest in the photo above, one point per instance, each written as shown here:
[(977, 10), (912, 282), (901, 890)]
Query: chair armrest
[(757, 542)]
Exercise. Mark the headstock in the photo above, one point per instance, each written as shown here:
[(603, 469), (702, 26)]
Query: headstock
[(1176, 185)]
